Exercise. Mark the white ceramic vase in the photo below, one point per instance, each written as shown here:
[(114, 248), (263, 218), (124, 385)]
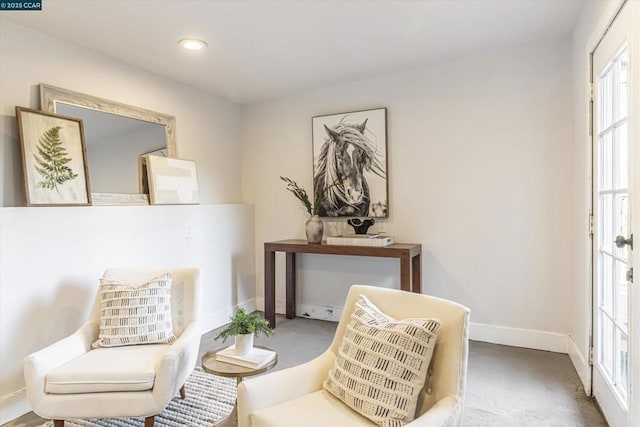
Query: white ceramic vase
[(314, 229), (244, 344)]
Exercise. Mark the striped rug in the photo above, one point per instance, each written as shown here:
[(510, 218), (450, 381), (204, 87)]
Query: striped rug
[(209, 400)]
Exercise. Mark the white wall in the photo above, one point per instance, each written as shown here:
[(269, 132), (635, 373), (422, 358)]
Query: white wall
[(207, 127), (593, 20), (51, 258), (479, 174)]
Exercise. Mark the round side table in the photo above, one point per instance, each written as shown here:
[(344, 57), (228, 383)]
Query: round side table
[(223, 369)]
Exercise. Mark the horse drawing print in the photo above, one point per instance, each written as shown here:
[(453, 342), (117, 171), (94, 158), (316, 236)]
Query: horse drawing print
[(345, 157)]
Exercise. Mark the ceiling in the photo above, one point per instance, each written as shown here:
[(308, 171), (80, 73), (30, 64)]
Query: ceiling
[(262, 49)]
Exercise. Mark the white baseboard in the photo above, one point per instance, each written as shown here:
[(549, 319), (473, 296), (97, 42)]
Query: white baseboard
[(537, 340), (320, 312), (310, 311), (516, 337), (13, 405), (580, 362)]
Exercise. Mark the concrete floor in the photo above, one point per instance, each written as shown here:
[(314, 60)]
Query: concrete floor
[(511, 386), (506, 386)]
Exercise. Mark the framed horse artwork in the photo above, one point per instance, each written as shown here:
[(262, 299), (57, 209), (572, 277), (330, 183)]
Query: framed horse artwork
[(350, 164)]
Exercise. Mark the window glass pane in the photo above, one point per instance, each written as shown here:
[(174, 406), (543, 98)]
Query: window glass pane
[(606, 290), (621, 156), (606, 153), (622, 361), (622, 65), (606, 345), (605, 89), (620, 222), (606, 223), (622, 299)]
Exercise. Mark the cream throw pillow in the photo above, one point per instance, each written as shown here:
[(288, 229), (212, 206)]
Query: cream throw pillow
[(131, 315), (382, 364)]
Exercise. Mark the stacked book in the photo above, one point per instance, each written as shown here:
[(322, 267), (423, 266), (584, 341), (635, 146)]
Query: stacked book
[(377, 240), (258, 358)]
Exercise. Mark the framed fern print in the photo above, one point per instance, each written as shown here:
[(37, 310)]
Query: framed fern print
[(54, 159)]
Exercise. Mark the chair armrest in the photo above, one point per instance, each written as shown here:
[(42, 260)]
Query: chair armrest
[(177, 363), (62, 351), (38, 364), (443, 414), (280, 386)]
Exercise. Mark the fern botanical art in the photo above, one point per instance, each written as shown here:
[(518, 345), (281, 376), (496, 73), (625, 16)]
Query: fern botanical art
[(52, 159)]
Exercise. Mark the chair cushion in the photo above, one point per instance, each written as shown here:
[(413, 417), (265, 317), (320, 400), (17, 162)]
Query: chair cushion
[(130, 368), (135, 314), (319, 409), (382, 364)]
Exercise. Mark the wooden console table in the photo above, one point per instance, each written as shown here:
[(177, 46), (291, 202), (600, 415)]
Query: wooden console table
[(408, 253)]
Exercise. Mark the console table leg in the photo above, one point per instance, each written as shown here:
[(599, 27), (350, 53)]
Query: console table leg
[(416, 274), (270, 287), (405, 274), (291, 285)]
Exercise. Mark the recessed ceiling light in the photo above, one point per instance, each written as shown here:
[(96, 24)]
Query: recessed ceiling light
[(192, 44)]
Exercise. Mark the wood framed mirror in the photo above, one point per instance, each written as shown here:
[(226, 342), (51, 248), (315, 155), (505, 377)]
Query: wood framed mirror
[(117, 136)]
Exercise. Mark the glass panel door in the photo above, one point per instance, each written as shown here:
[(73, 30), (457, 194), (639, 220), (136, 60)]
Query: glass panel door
[(613, 214), (614, 139)]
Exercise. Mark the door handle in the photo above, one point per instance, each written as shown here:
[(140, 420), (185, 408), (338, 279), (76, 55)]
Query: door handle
[(621, 241)]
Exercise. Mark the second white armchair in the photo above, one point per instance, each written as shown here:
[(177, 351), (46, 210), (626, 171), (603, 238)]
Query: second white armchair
[(295, 397)]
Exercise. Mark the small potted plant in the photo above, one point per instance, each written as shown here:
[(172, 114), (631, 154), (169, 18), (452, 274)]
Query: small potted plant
[(244, 326)]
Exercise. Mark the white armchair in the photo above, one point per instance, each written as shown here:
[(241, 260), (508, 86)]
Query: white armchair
[(129, 381), (294, 397)]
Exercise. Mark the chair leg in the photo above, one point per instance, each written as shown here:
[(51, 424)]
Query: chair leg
[(149, 421), (183, 392), (58, 423)]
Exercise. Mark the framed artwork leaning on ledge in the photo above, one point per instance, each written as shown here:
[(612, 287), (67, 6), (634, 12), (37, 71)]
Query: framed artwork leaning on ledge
[(170, 181)]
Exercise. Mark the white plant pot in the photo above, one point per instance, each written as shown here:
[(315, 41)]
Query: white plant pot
[(244, 344)]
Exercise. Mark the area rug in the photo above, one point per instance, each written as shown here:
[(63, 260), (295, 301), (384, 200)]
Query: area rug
[(209, 399)]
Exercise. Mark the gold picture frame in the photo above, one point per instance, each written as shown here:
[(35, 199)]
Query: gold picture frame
[(54, 159)]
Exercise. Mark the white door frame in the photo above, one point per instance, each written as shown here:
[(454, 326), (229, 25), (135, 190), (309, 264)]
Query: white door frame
[(582, 359)]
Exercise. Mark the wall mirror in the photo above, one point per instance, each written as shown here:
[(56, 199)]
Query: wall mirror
[(116, 136)]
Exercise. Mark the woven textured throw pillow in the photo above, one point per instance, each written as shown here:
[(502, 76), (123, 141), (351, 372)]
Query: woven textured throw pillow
[(382, 364), (131, 315)]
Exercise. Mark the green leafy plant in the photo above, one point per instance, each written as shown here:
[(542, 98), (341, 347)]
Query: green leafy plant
[(245, 323), (52, 159), (301, 194)]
